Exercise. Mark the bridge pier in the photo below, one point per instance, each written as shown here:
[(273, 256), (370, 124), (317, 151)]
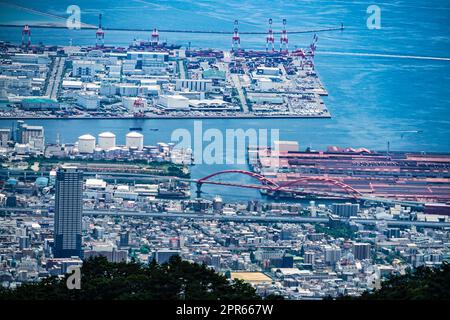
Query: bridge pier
[(275, 194), (199, 189)]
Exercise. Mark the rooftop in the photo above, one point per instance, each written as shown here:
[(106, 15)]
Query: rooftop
[(253, 277)]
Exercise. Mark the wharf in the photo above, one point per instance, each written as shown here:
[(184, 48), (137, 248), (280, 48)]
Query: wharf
[(326, 115)]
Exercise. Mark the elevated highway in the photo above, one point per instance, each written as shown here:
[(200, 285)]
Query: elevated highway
[(238, 218)]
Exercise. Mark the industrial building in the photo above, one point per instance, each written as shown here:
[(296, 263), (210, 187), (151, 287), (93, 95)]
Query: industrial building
[(357, 173), (88, 100), (37, 104), (202, 85), (174, 102)]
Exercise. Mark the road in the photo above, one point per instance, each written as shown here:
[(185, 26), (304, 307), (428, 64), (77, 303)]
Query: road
[(263, 219), (240, 218), (182, 70), (109, 176), (54, 78), (51, 76), (238, 86)]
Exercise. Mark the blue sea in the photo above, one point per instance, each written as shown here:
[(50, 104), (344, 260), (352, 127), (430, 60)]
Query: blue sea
[(372, 98)]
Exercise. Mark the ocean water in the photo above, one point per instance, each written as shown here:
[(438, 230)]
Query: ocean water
[(372, 98)]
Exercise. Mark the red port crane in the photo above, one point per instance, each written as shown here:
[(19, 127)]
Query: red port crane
[(138, 108), (99, 34), (270, 39), (284, 41), (155, 37), (26, 33), (309, 59), (236, 39)]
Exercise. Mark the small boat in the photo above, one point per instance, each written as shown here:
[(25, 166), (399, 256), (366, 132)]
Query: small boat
[(136, 129), (154, 129)]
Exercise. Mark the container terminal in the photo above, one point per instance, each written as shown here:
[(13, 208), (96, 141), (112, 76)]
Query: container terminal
[(154, 79)]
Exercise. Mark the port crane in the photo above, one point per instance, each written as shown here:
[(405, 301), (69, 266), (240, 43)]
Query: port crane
[(236, 39), (313, 46), (270, 39), (155, 37), (138, 108), (299, 53), (100, 34), (284, 41), (309, 56), (26, 34)]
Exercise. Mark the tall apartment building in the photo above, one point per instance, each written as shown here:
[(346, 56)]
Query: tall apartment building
[(332, 254), (5, 135), (68, 212), (361, 251), (309, 257), (345, 209)]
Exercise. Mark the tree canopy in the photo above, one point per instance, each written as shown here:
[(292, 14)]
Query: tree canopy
[(103, 280)]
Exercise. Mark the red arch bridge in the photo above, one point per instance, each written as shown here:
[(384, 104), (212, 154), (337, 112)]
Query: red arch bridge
[(275, 188)]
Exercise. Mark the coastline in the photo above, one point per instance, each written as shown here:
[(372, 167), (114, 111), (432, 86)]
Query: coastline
[(328, 116)]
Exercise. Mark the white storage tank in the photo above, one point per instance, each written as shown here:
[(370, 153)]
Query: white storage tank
[(86, 143), (217, 203), (106, 140), (135, 140)]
